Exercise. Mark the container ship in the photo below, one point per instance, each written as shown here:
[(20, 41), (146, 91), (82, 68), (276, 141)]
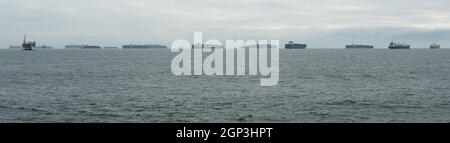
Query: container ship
[(435, 46), (144, 47), (394, 45), (353, 46), (292, 45)]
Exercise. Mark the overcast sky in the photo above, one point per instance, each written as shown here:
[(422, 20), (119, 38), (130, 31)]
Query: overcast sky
[(319, 23)]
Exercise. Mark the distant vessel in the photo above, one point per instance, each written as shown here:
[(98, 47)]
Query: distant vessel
[(144, 47), (353, 46), (44, 47), (27, 46), (90, 47), (72, 46), (394, 45), (292, 45), (435, 46)]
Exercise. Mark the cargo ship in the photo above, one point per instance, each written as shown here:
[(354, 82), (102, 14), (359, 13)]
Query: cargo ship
[(90, 47), (394, 45), (353, 46), (292, 45), (144, 47), (435, 46)]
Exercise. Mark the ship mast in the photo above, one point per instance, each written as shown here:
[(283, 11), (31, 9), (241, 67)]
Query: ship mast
[(24, 41)]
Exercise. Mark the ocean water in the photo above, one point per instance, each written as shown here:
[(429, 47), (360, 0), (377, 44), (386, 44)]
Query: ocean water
[(138, 86)]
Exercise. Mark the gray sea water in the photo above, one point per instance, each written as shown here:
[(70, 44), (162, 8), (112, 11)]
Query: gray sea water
[(138, 86)]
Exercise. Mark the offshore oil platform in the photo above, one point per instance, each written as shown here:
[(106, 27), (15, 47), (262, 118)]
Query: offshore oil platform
[(27, 46)]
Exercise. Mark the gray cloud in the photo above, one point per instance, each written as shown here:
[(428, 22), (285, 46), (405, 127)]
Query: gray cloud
[(322, 23)]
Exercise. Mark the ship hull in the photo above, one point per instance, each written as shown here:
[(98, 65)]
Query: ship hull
[(91, 47), (435, 47), (359, 47), (399, 47)]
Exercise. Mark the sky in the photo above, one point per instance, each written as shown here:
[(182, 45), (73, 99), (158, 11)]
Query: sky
[(318, 23)]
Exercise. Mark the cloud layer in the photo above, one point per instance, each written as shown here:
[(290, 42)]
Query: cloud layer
[(320, 23)]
